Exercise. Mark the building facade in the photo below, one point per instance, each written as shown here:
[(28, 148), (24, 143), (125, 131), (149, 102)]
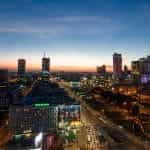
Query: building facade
[(41, 117), (141, 66), (21, 67), (46, 107), (4, 97), (45, 64), (135, 67), (37, 118), (117, 65)]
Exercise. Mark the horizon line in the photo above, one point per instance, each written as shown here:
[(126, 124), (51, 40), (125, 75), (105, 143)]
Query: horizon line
[(61, 68)]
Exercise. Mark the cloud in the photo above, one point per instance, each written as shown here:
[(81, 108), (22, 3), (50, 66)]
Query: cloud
[(74, 19), (32, 29), (64, 25)]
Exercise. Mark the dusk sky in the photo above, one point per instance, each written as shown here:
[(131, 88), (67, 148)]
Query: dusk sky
[(75, 34)]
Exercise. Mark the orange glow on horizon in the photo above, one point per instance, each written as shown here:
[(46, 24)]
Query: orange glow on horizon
[(13, 67)]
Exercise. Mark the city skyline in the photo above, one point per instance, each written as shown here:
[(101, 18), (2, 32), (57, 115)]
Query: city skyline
[(38, 67), (75, 74), (109, 68), (77, 36)]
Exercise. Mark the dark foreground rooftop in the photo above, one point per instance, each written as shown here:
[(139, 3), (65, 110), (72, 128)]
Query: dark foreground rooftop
[(48, 92)]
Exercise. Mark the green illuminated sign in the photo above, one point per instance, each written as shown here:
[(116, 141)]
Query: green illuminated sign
[(41, 104)]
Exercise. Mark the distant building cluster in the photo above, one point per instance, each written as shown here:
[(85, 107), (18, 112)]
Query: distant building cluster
[(22, 66), (141, 66), (37, 104), (11, 91), (101, 70)]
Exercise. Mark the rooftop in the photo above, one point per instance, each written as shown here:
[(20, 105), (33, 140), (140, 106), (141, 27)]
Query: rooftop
[(48, 92)]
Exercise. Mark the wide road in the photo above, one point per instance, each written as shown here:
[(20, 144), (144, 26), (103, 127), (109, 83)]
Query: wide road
[(120, 138), (120, 141), (89, 132)]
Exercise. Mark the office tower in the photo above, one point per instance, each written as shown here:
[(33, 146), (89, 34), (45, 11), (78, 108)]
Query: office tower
[(21, 67), (45, 68), (144, 65), (141, 66), (3, 75), (45, 64), (117, 65), (101, 70), (135, 67)]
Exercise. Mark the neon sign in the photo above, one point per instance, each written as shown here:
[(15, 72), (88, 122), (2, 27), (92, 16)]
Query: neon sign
[(41, 104)]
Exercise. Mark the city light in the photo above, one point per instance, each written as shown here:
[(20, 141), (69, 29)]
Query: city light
[(35, 149), (38, 139), (74, 75), (41, 105)]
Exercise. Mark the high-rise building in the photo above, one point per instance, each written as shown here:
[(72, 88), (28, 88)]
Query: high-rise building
[(101, 70), (46, 64), (135, 67), (3, 75), (21, 67), (117, 65), (145, 65), (141, 66)]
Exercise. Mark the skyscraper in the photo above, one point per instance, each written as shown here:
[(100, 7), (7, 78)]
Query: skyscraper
[(141, 66), (21, 67), (135, 67), (46, 64), (117, 65)]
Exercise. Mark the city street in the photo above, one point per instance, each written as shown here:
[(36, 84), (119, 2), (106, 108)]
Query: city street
[(95, 126), (88, 136), (75, 75), (124, 140)]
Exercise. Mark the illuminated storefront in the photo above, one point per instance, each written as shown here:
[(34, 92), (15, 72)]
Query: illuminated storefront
[(68, 115)]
